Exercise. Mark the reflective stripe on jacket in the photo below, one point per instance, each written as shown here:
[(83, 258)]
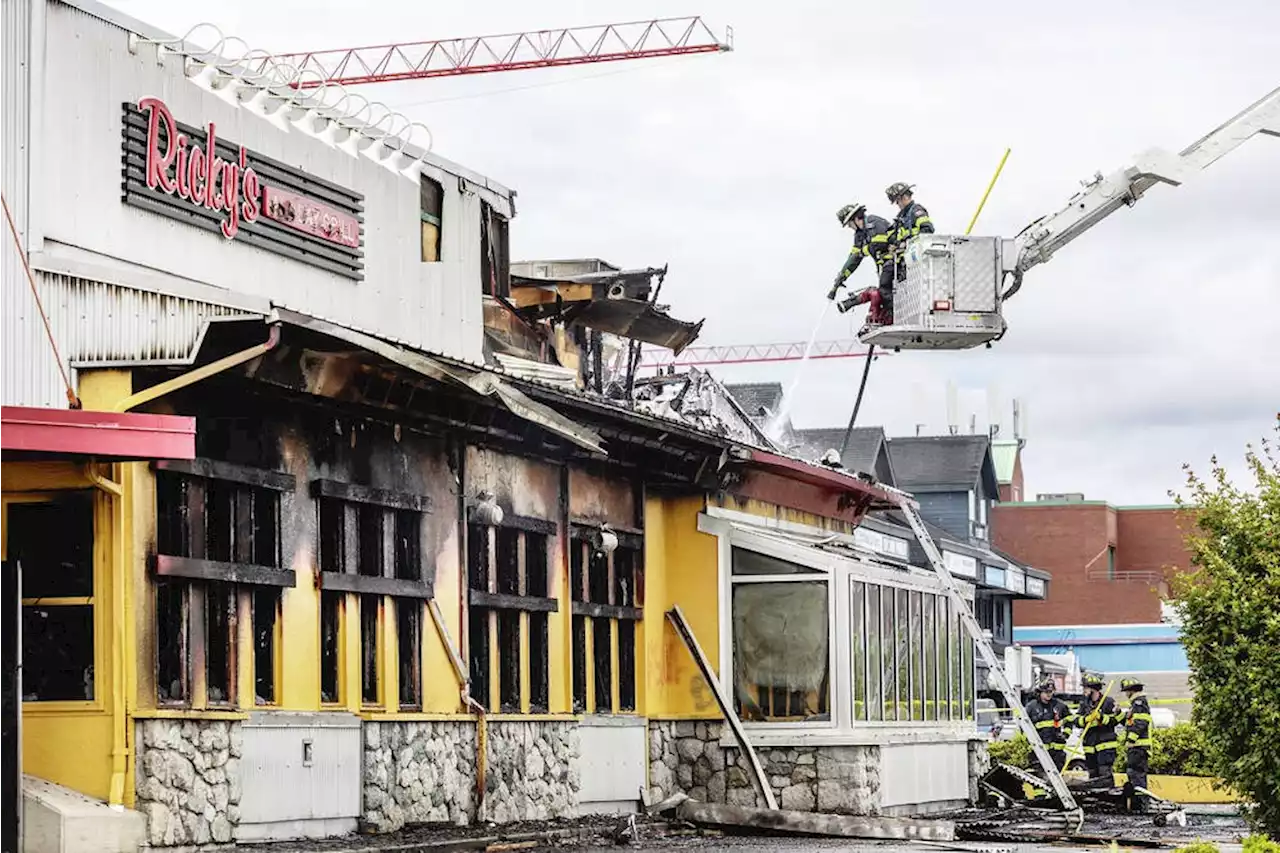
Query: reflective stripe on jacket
[(872, 240), (1137, 723), (913, 220), (1048, 718)]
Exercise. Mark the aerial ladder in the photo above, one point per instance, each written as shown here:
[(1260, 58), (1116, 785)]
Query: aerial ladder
[(955, 286), (910, 508)]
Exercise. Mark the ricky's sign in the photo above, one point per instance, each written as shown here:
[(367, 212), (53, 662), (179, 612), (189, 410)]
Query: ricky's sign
[(178, 165), (191, 175)]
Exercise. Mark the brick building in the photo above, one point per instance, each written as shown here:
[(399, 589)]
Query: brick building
[(1109, 566)]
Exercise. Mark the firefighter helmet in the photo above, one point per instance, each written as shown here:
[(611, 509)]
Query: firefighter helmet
[(1130, 684), (850, 212), (898, 189), (1093, 680), (1046, 685)]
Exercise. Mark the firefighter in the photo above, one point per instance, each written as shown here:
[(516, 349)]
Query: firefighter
[(1137, 737), (1098, 717), (871, 239), (912, 221), (1048, 715)]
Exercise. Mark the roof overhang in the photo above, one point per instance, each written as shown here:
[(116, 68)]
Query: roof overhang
[(36, 433), (852, 495)]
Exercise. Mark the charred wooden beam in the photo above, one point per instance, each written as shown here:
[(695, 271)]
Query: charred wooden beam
[(368, 495), (501, 601), (165, 565), (213, 469), (607, 611), (365, 584)]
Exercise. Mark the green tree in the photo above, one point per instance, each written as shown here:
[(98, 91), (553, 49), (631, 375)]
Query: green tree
[(1230, 608)]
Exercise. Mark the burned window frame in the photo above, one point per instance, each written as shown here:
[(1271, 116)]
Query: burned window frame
[(402, 574), (620, 614), (495, 252), (238, 556), (520, 617), (86, 500)]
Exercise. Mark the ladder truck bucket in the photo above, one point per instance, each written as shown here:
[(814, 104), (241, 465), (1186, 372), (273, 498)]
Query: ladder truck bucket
[(947, 297)]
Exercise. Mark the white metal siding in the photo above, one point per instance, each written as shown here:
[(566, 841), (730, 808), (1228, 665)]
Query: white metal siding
[(278, 787), (431, 306), (95, 322), (916, 773), (612, 766), (22, 338)]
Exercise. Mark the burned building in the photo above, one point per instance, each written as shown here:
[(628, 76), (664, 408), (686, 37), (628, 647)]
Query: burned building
[(419, 565)]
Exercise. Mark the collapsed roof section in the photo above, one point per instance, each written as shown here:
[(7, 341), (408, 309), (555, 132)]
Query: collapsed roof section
[(598, 296), (699, 400)]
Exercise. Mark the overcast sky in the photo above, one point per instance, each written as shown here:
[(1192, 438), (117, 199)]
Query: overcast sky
[(1152, 341)]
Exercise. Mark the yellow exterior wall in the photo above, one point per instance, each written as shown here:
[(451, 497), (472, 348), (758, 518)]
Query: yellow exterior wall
[(681, 567), (84, 745)]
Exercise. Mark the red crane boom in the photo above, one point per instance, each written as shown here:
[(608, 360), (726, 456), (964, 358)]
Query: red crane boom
[(508, 52)]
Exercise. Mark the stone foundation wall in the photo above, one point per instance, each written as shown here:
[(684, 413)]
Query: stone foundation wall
[(188, 780), (687, 756), (418, 773), (426, 772)]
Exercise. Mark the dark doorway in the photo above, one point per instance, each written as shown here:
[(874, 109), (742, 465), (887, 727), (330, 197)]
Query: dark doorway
[(10, 707)]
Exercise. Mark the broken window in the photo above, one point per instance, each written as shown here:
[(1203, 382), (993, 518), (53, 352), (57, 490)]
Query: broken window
[(53, 543), (508, 604), (607, 593), (431, 211), (369, 606), (219, 635), (172, 670), (495, 253), (371, 544), (265, 616), (218, 549), (330, 657), (409, 644)]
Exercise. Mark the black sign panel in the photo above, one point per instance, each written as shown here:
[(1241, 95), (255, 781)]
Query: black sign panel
[(321, 234), (10, 708)]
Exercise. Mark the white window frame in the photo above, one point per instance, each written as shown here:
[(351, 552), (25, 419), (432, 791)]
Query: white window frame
[(787, 541)]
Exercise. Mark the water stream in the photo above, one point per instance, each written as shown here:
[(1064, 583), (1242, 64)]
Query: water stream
[(774, 429)]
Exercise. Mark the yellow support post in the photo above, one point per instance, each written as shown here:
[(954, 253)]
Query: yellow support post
[(983, 203)]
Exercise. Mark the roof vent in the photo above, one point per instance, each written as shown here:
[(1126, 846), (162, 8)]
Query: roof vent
[(1062, 497)]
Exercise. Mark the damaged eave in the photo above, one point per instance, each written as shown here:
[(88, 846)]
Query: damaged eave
[(637, 320), (839, 494)]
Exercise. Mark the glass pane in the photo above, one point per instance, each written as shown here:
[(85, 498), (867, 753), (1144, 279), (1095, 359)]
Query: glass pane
[(54, 543), (626, 665), (930, 658), (966, 646), (888, 656), (57, 653), (780, 654), (917, 658), (903, 642), (754, 563), (602, 661), (858, 658), (875, 697), (957, 665), (944, 658)]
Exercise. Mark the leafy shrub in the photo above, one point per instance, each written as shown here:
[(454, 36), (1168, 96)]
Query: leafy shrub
[(1198, 847), (1260, 844), (1180, 751), (1016, 752), (1231, 627)]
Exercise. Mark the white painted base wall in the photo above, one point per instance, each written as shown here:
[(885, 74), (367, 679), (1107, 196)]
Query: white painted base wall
[(917, 773), (612, 764)]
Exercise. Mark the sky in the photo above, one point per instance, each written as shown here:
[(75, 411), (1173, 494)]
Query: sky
[(1152, 341)]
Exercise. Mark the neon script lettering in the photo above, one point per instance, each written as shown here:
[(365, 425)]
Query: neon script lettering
[(180, 166)]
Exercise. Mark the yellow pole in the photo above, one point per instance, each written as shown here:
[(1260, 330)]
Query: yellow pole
[(983, 203)]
